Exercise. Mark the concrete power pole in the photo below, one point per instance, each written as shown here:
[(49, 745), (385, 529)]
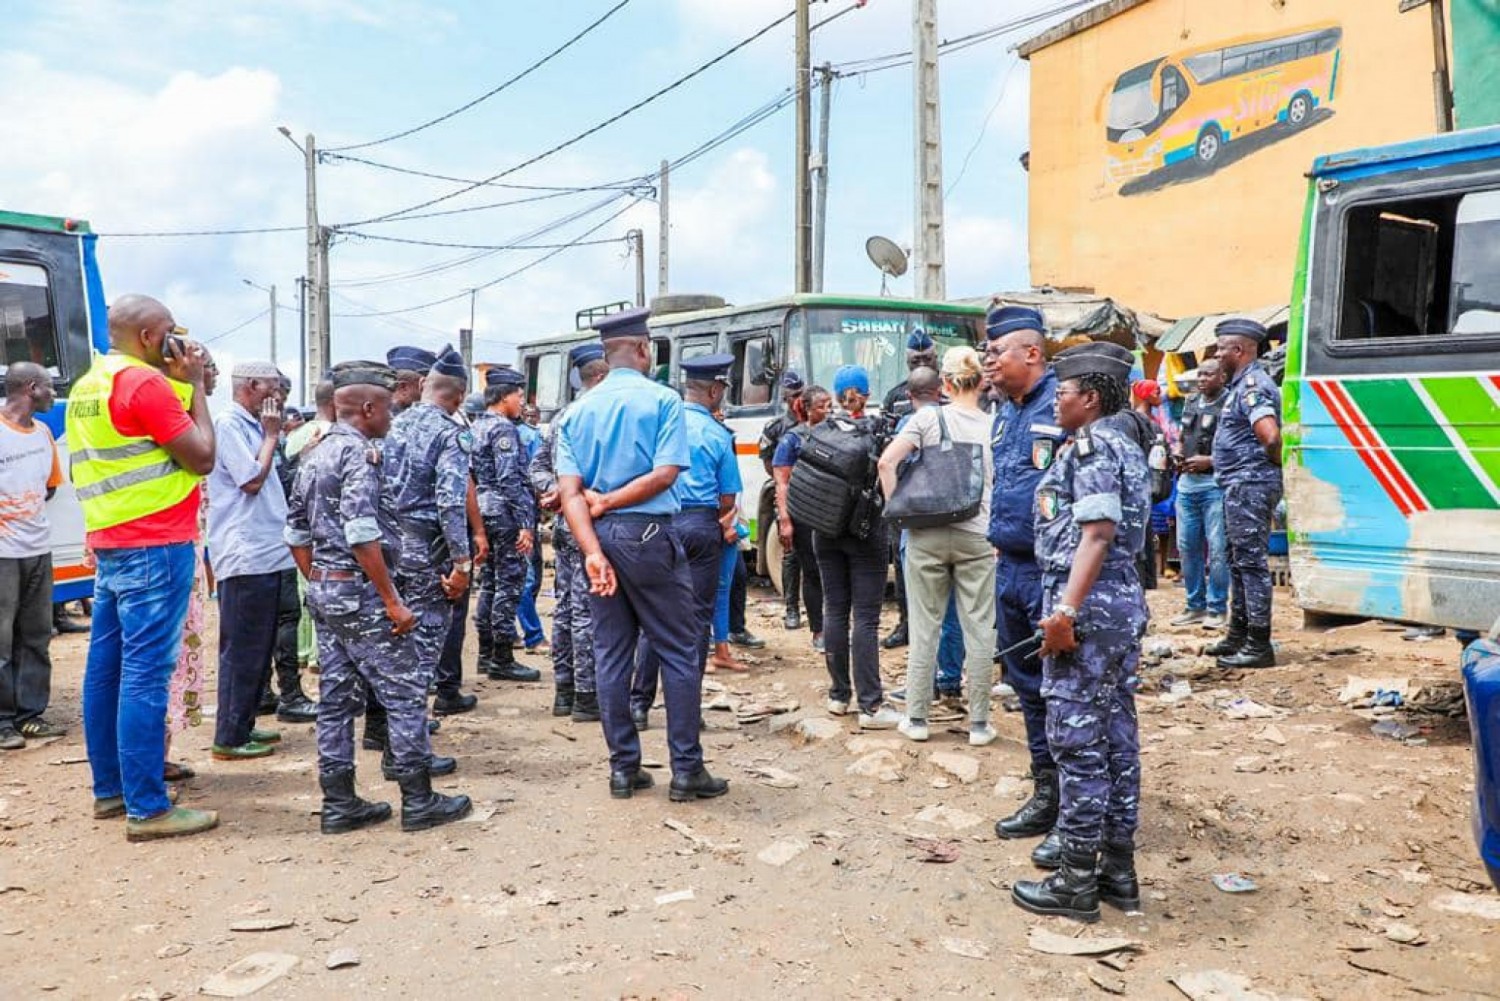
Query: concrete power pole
[(804, 150), (931, 282), (820, 176), (317, 294), (635, 239), (466, 348), (273, 324), (325, 327), (663, 240)]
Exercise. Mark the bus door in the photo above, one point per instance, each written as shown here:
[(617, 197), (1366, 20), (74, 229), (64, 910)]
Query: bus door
[(546, 382), (1393, 407)]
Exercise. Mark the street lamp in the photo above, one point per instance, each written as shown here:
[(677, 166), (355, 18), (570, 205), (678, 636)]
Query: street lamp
[(272, 290)]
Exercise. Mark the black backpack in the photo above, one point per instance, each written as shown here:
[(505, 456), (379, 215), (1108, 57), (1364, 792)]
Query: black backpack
[(832, 489), (1153, 445)]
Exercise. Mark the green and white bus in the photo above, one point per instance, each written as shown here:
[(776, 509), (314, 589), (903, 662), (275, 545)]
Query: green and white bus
[(812, 335)]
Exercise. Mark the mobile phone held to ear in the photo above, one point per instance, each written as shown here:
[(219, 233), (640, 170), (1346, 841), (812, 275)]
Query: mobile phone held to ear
[(173, 347)]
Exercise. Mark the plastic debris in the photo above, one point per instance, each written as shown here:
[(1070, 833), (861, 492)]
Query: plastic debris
[(1233, 882)]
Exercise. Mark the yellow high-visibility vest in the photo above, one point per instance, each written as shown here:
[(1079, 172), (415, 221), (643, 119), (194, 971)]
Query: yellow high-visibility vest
[(119, 478)]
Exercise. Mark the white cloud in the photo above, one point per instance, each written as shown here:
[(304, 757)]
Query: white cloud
[(984, 254)]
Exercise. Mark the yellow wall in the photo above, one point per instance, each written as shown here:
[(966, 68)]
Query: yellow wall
[(1201, 242)]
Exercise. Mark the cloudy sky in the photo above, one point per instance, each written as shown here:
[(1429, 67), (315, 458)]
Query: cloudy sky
[(162, 116)]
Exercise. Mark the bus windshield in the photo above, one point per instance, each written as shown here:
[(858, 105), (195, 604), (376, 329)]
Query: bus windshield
[(874, 339), (1132, 105)]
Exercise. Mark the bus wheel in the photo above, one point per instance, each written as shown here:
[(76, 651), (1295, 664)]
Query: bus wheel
[(1210, 145), (774, 552), (1299, 111)]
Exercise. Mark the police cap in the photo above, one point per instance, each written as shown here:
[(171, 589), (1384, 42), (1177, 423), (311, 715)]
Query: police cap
[(410, 359), (627, 323), (474, 404), (450, 363), (582, 354), (791, 382), (1239, 326), (708, 368), (920, 340), (363, 373), (502, 375), (1002, 320), (1096, 357)]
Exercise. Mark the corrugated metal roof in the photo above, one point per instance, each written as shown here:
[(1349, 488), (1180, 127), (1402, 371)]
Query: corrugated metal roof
[(1194, 333)]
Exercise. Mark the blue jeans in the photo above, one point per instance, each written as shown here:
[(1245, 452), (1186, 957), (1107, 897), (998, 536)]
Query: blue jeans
[(140, 603), (532, 632), (728, 561), (1200, 531), (950, 655)]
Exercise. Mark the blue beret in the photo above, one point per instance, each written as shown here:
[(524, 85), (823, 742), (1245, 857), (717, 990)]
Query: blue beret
[(450, 362), (582, 354), (851, 377), (920, 341), (1096, 357), (1004, 320), (504, 375), (363, 373), (706, 368), (627, 323), (409, 359), (1240, 327), (792, 382)]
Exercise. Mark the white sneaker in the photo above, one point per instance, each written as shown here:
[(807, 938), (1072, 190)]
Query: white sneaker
[(837, 708), (982, 734), (1214, 621), (911, 729), (884, 718), (1002, 690)]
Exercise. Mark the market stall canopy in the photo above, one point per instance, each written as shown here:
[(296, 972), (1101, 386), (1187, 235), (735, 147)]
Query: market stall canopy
[(1074, 317), (1195, 333)]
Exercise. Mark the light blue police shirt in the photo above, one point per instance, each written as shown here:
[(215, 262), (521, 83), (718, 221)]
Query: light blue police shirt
[(714, 469), (624, 428)]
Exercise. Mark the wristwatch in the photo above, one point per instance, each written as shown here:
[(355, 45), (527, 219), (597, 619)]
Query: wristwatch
[(463, 566), (1067, 610)]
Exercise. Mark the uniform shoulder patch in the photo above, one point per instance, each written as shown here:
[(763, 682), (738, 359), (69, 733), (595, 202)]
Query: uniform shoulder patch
[(466, 441), (505, 444), (1084, 444)]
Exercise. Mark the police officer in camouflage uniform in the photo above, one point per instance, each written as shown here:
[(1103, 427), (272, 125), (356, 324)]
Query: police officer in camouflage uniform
[(428, 454), (1247, 466), (342, 531), (576, 692), (1092, 507), (509, 512), (792, 388)]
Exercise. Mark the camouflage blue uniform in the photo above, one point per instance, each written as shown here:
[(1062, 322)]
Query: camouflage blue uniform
[(1091, 723), (428, 453), (339, 500), (508, 508), (572, 617), (1252, 488)]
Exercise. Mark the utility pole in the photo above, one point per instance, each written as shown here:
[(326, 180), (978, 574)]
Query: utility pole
[(804, 143), (636, 240), (931, 282), (820, 176), (663, 240), (466, 348), (325, 328), (1441, 83), (272, 291), (302, 338), (317, 362)]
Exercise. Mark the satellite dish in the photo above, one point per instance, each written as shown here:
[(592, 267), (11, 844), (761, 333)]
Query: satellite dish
[(888, 257)]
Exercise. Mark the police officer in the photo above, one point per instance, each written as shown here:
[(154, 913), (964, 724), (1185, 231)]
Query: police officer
[(1092, 507), (342, 531), (619, 454), (509, 511), (792, 388), (429, 463), (1025, 441), (1247, 466), (411, 365), (576, 692), (707, 490)]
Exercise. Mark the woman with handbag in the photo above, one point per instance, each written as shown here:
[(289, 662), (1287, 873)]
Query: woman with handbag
[(942, 499)]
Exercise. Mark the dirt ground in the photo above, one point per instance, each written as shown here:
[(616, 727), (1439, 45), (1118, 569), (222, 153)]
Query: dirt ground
[(1368, 883)]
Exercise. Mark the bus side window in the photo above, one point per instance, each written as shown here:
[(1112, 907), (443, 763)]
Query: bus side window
[(549, 380), (751, 376), (1476, 265), (27, 329), (1173, 90), (1397, 262)]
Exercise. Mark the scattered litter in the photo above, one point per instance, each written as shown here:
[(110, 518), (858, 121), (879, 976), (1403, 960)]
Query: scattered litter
[(1157, 649), (1394, 730), (675, 897), (966, 947), (776, 778), (249, 975), (779, 853), (1111, 985), (565, 735), (934, 850), (1180, 690), (1438, 698), (1233, 882), (1358, 688), (480, 815), (699, 840), (340, 958), (1243, 708), (1466, 903), (69, 761), (262, 924), (1051, 943), (1386, 697), (1217, 985)]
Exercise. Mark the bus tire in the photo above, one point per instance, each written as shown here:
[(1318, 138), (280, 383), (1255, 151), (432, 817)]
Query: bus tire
[(1299, 110), (773, 553), (1209, 146)]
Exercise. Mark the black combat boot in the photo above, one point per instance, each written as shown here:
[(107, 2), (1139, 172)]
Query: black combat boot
[(792, 592), (1256, 652), (343, 810), (486, 654), (1232, 640), (1118, 886), (421, 808), (1070, 892), (1048, 854), (437, 764), (505, 668), (585, 707), (695, 785), (1037, 815), (562, 701), (376, 731)]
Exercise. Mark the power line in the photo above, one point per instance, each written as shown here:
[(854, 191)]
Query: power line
[(336, 157), (207, 232), (984, 128), (703, 68), (473, 246), (894, 60), (237, 327), (492, 92)]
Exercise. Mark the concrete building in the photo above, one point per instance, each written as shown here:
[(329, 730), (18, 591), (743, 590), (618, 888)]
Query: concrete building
[(1170, 139)]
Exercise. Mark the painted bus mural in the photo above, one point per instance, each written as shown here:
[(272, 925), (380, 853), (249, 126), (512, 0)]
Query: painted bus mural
[(1183, 116)]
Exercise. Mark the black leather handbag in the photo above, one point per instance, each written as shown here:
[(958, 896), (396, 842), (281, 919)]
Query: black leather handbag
[(942, 484)]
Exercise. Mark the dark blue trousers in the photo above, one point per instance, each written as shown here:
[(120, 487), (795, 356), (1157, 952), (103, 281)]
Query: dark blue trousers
[(654, 590), (1018, 608), (248, 606), (450, 668), (703, 542)]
